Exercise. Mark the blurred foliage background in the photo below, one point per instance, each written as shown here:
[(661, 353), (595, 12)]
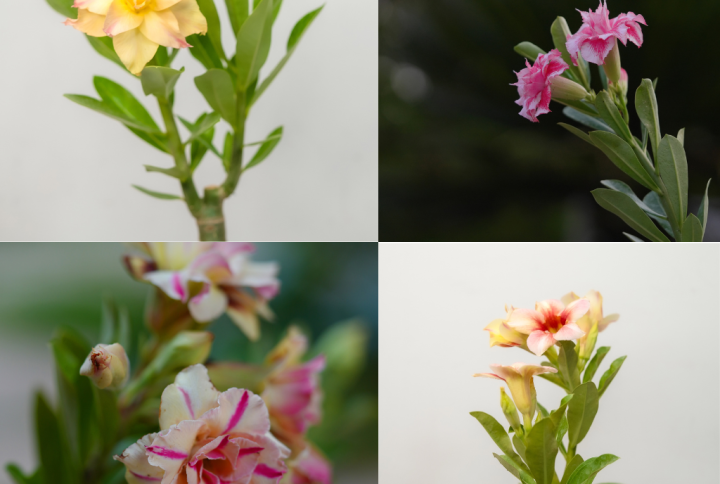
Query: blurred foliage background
[(457, 162), (329, 290)]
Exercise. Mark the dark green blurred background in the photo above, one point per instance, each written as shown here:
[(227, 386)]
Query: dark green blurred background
[(457, 162), (329, 290)]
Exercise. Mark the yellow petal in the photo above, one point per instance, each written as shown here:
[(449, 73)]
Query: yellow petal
[(162, 28), (99, 7), (163, 4), (134, 49), (88, 23), (121, 17), (189, 17)]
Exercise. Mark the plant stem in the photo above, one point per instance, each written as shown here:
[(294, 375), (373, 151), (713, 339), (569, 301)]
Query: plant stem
[(527, 422), (211, 222), (236, 160)]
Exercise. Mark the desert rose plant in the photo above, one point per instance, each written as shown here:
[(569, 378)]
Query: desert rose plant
[(143, 37), (654, 161), (146, 406), (565, 333)]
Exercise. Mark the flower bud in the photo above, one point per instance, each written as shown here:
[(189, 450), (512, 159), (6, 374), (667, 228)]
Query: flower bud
[(186, 349), (511, 413), (107, 366), (563, 89), (622, 85), (612, 65)]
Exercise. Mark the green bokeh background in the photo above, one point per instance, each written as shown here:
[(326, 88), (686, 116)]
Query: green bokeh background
[(45, 285), (458, 163)]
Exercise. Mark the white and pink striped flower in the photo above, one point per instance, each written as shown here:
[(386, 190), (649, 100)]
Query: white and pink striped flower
[(310, 467), (551, 321), (212, 278), (207, 437)]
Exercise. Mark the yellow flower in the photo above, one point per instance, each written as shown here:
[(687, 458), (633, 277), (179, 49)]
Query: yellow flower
[(137, 27), (595, 315), (502, 335)]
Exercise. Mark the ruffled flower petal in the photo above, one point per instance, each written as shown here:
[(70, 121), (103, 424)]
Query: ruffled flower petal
[(188, 398), (173, 283), (191, 20), (172, 448), (239, 411), (138, 469), (121, 17), (88, 23), (162, 28), (209, 304), (99, 7)]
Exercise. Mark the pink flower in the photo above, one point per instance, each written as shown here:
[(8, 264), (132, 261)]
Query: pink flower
[(207, 437), (310, 467), (550, 322), (598, 33), (534, 84)]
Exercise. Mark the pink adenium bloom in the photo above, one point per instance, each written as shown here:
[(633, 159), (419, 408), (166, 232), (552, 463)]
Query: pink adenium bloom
[(534, 84), (212, 278), (551, 321), (292, 390), (599, 34), (310, 467), (207, 437)]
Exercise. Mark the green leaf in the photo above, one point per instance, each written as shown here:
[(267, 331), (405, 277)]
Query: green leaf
[(508, 464), (673, 170), (581, 412), (214, 34), (122, 99), (562, 429), (528, 50), (519, 446), (681, 137), (104, 47), (542, 450), (554, 378), (17, 475), (647, 110), (581, 106), (173, 172), (201, 138), (652, 200), (623, 156), (567, 364), (589, 121), (238, 11), (610, 114), (692, 229), (253, 44), (204, 123), (557, 415), (161, 196), (160, 81), (620, 186), (499, 436), (595, 363), (578, 132), (560, 32), (297, 33), (609, 375), (110, 111), (588, 470), (572, 465), (703, 210), (106, 415), (63, 7), (632, 237), (204, 51), (625, 208), (603, 77), (53, 448), (217, 88), (267, 147)]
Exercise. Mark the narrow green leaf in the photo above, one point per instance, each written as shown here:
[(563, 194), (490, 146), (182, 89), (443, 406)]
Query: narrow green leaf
[(554, 378), (160, 81), (703, 210), (542, 450), (105, 415), (620, 186), (560, 32), (673, 170), (53, 449), (588, 470), (562, 429), (596, 360), (204, 51), (205, 123), (217, 88), (652, 200), (297, 33), (610, 114), (567, 364), (623, 156), (609, 375), (581, 106), (110, 111), (578, 132), (207, 7), (633, 238), (238, 11), (266, 148), (253, 44), (508, 464), (681, 137), (499, 436), (161, 196), (528, 50), (104, 47), (581, 412), (17, 475), (557, 415), (692, 229), (571, 466), (173, 172), (116, 95), (625, 208), (647, 110), (603, 77), (519, 446), (589, 121)]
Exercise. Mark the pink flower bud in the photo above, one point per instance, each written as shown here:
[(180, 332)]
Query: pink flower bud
[(107, 366)]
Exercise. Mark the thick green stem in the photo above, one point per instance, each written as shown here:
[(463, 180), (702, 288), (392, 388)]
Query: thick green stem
[(211, 222)]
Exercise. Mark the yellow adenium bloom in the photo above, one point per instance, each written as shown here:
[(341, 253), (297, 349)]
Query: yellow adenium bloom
[(592, 323), (137, 27), (504, 336)]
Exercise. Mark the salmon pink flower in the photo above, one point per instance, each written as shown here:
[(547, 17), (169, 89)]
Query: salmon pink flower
[(502, 335), (107, 366), (549, 323), (541, 82), (207, 437), (137, 27), (519, 379)]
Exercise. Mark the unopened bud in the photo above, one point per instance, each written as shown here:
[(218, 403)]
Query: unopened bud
[(186, 349), (623, 83), (510, 411), (107, 366), (612, 68), (563, 89)]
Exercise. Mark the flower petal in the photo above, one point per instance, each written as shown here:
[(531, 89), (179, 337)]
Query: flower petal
[(526, 321), (162, 28), (247, 321), (173, 283), (88, 23), (171, 449), (605, 322), (271, 466), (99, 7), (240, 411), (568, 332), (121, 17), (189, 17), (138, 469), (539, 341), (135, 51), (163, 4), (574, 311), (188, 398), (209, 304)]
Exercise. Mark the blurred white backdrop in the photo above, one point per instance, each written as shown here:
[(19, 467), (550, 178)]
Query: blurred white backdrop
[(66, 171), (660, 415)]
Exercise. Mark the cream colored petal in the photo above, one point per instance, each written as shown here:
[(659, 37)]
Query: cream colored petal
[(189, 17), (171, 449), (134, 49), (138, 469), (121, 17), (163, 4), (239, 411), (162, 28), (99, 7), (88, 23), (188, 398), (247, 321)]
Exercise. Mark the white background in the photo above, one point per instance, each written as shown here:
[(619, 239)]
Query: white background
[(660, 415), (66, 171)]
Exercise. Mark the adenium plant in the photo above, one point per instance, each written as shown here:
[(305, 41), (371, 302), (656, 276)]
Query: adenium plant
[(655, 161), (143, 37), (531, 444)]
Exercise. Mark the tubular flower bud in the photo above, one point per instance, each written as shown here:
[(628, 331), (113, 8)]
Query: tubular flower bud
[(510, 411), (502, 335), (107, 366), (519, 379), (563, 89)]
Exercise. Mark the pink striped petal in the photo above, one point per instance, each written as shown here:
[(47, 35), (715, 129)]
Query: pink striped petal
[(188, 398), (138, 469), (271, 466), (240, 411), (539, 341), (171, 449), (173, 283)]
